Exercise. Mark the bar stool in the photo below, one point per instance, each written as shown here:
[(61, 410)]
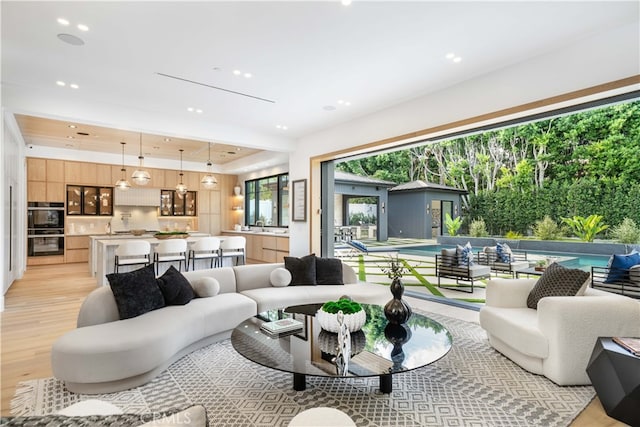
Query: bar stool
[(205, 248), (132, 252), (233, 247), (171, 250)]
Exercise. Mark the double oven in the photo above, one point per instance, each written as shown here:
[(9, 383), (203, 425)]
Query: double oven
[(45, 232)]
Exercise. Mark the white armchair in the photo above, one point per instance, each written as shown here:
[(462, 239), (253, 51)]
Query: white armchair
[(557, 339)]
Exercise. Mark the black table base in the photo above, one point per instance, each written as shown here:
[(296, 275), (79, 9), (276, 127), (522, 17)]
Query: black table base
[(300, 383)]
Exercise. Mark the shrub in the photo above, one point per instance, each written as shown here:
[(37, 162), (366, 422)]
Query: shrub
[(453, 225), (513, 235), (586, 228), (478, 228), (626, 231), (547, 229)]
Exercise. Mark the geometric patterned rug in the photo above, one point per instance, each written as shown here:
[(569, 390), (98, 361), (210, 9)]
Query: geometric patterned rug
[(473, 385)]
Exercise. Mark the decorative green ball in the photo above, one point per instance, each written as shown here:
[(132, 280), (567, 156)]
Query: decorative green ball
[(347, 306)]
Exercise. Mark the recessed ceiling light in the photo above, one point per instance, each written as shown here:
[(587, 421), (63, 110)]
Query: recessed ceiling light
[(167, 139), (283, 127), (450, 55), (74, 86), (61, 83), (190, 109), (457, 59), (238, 149), (343, 102), (83, 27), (340, 101), (237, 72), (72, 126), (345, 2), (248, 75), (63, 21), (69, 137), (199, 111)]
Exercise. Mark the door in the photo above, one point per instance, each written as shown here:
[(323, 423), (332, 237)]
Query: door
[(447, 208)]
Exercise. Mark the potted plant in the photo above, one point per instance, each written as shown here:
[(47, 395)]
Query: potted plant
[(354, 315)]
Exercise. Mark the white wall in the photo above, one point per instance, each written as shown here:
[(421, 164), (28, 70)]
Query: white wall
[(12, 215), (603, 58)]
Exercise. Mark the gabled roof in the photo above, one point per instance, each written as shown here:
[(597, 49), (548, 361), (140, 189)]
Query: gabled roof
[(423, 185), (350, 177)]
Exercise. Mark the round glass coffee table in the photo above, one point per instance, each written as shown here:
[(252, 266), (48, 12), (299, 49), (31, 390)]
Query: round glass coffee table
[(379, 349)]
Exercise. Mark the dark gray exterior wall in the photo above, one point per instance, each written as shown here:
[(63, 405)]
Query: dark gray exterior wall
[(408, 214)]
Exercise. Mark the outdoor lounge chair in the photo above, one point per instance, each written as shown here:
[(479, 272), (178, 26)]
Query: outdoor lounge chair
[(621, 281), (362, 248), (511, 262), (449, 265)]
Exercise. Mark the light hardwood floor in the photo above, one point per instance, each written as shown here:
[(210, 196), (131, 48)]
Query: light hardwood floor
[(44, 304)]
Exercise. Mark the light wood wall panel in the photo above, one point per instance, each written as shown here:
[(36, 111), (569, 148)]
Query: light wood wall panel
[(55, 170), (36, 169)]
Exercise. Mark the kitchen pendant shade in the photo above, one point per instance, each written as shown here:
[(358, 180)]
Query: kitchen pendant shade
[(141, 176), (181, 189), (122, 184), (209, 181)]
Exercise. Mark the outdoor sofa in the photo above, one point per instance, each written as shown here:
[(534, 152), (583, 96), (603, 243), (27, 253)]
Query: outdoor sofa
[(508, 263), (623, 281), (106, 354)]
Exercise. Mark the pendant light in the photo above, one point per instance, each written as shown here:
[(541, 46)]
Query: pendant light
[(181, 189), (141, 176), (122, 183), (209, 181)]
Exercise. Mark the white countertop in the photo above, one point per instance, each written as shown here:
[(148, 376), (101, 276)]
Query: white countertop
[(258, 233)]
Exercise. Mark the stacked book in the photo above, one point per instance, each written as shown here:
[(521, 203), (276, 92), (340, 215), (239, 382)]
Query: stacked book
[(282, 326)]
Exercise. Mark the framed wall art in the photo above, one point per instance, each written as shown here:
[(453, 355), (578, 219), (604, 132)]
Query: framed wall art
[(299, 197)]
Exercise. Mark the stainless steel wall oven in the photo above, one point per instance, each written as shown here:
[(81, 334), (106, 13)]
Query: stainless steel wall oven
[(45, 232)]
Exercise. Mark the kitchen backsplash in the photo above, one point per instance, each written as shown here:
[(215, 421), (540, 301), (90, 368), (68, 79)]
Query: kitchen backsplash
[(127, 218)]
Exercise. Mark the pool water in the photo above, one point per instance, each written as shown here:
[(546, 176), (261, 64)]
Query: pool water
[(571, 260)]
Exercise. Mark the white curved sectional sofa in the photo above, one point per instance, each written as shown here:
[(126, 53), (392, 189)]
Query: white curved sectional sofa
[(106, 354)]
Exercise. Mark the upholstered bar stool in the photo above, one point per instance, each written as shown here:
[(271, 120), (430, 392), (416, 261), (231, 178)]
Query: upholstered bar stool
[(171, 250), (203, 249), (132, 252), (233, 247)]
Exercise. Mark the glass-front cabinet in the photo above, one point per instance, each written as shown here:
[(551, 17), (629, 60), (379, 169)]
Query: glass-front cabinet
[(174, 204), (89, 200)]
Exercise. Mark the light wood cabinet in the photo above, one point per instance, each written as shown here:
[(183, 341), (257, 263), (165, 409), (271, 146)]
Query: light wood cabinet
[(36, 169), (36, 191), (55, 192), (264, 249), (76, 249), (103, 175), (55, 171)]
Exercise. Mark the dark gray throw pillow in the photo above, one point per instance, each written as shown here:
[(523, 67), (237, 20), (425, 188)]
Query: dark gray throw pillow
[(175, 288), (303, 270), (329, 271), (136, 292), (557, 281)]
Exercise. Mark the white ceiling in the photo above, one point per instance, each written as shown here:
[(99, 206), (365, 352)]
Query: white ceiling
[(303, 56)]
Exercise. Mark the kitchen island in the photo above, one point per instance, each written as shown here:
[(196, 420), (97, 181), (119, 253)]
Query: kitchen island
[(102, 251), (264, 245)]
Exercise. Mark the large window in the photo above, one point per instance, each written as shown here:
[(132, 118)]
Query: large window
[(267, 201)]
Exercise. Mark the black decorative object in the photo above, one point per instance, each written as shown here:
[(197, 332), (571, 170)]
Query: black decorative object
[(398, 335), (397, 311)]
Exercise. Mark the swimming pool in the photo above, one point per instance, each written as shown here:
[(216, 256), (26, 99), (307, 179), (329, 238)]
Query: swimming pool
[(572, 260)]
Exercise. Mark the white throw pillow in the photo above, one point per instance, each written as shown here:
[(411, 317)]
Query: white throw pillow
[(280, 277), (206, 287)]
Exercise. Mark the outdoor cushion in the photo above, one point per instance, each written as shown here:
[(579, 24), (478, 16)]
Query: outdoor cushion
[(472, 271), (465, 254), (449, 256), (634, 274), (503, 252), (618, 264), (557, 281)]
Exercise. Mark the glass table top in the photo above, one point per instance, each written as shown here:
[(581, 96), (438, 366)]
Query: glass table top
[(380, 348)]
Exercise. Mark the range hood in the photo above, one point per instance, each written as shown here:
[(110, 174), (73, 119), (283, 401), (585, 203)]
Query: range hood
[(137, 197)]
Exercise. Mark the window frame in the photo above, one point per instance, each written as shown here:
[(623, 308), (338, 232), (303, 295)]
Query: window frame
[(282, 183)]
